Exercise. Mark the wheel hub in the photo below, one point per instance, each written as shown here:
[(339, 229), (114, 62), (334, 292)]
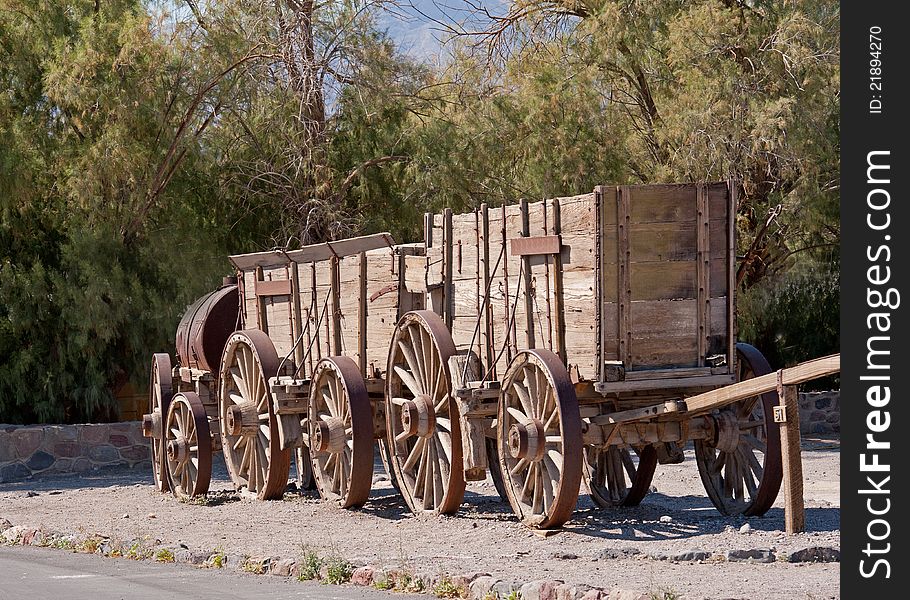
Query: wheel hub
[(328, 435), (242, 419), (151, 424), (527, 441), (418, 417), (727, 427), (178, 450)]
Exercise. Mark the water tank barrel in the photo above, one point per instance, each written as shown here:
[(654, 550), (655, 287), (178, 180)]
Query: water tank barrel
[(205, 328)]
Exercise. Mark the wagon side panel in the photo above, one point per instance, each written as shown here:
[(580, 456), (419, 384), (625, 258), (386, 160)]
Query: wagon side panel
[(665, 267)]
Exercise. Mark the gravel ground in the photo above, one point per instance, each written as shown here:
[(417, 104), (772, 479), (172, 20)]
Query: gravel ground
[(597, 547)]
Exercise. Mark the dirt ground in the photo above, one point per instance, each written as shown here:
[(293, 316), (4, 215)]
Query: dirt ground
[(483, 536)]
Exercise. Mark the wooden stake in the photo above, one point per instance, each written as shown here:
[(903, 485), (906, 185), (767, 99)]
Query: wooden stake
[(794, 506)]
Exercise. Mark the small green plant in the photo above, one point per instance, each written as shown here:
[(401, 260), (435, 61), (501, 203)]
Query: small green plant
[(164, 555), (88, 545), (383, 584), (255, 567), (664, 593), (491, 595), (136, 551), (218, 558), (445, 588), (62, 543), (338, 570), (514, 595), (310, 565)]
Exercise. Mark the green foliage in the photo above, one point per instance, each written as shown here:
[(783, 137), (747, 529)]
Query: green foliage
[(310, 564), (141, 144), (793, 318), (164, 555), (338, 570), (445, 588)]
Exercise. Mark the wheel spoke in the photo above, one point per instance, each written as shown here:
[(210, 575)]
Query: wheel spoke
[(408, 380), (518, 415), (415, 454), (756, 443)]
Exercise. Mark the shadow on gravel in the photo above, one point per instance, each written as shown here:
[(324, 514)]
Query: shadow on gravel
[(689, 516)]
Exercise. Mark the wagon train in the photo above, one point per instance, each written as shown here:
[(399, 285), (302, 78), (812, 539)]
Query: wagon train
[(587, 337)]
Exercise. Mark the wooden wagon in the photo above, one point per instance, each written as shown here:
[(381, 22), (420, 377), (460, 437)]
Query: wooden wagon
[(581, 337)]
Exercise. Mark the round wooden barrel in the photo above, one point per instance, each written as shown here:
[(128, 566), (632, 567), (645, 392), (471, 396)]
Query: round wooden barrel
[(206, 327)]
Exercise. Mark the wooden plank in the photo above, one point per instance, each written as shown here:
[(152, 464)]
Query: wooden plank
[(280, 287), (314, 252), (801, 373), (620, 387), (624, 279), (703, 272), (262, 319), (535, 245), (794, 506)]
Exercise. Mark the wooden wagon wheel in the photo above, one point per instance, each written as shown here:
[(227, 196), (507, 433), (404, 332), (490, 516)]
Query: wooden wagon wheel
[(385, 455), (305, 479), (340, 428), (615, 479), (741, 467), (249, 425), (495, 469), (421, 417), (160, 394), (539, 433), (188, 446)]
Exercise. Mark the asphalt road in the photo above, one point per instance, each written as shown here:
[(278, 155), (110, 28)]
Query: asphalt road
[(46, 574)]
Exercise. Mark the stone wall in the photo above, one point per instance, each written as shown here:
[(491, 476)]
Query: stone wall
[(48, 449), (819, 412)]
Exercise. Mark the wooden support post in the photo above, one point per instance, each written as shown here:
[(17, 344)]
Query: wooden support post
[(448, 285), (362, 317), (732, 190), (336, 306), (559, 310), (526, 265), (599, 280), (296, 315), (703, 271), (261, 313), (487, 311), (624, 272), (787, 414)]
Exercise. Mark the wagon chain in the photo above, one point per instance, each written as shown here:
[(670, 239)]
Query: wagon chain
[(299, 339), (486, 299), (511, 322)]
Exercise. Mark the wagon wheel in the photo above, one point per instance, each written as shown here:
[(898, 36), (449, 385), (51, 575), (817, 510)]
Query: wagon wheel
[(741, 467), (614, 479), (385, 455), (160, 393), (495, 469), (305, 479), (188, 446), (340, 428), (424, 433), (539, 433), (249, 425)]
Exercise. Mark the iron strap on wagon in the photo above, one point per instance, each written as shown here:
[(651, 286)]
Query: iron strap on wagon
[(587, 337)]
